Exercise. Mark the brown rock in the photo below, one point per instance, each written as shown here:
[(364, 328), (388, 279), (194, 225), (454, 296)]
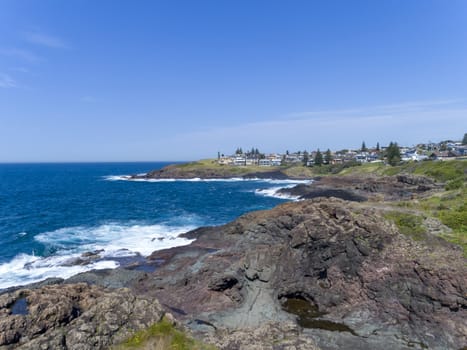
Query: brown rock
[(74, 316), (344, 258)]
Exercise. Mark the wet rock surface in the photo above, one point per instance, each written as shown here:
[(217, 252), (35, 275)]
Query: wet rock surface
[(372, 287)]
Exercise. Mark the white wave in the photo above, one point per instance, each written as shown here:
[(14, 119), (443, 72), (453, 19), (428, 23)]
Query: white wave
[(25, 269), (110, 240), (21, 234), (197, 179), (115, 238), (274, 193), (117, 177)]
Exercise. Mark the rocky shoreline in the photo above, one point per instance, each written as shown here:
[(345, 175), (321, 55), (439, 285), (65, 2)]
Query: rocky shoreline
[(321, 273), (366, 188)]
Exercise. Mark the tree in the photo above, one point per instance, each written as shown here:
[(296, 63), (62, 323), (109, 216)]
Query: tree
[(328, 156), (318, 158), (305, 158), (377, 147), (464, 140), (239, 151), (393, 154), (364, 149)]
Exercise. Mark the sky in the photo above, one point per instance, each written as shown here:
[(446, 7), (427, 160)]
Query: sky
[(86, 80)]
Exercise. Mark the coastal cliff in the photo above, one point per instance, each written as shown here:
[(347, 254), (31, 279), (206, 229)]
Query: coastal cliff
[(366, 270)]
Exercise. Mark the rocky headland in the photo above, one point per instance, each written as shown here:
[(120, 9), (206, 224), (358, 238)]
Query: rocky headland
[(321, 273), (209, 169)]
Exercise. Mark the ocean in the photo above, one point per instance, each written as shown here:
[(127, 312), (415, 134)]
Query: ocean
[(52, 213)]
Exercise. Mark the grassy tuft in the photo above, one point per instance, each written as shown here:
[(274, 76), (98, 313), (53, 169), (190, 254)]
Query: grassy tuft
[(408, 224), (162, 336)]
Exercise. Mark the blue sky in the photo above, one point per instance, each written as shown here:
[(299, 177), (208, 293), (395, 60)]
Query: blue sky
[(86, 80)]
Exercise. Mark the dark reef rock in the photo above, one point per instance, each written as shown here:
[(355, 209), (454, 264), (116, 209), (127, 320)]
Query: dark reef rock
[(371, 287), (362, 188)]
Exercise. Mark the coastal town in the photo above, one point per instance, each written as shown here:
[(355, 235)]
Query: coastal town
[(391, 154)]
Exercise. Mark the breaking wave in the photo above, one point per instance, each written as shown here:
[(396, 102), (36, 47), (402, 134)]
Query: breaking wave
[(67, 245)]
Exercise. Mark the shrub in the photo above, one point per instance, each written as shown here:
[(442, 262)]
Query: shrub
[(454, 184)]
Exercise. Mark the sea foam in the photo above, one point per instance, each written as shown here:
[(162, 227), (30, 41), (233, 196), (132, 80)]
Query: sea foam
[(197, 179), (110, 241), (274, 192)]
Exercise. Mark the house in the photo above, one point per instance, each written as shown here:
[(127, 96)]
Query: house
[(413, 155), (225, 161), (461, 150), (443, 155), (361, 157), (239, 160)]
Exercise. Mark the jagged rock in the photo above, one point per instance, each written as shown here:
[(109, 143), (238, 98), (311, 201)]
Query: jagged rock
[(373, 287), (73, 316), (360, 285), (363, 188)]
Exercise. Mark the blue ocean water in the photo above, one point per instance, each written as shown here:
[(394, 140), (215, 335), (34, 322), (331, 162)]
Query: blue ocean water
[(51, 213)]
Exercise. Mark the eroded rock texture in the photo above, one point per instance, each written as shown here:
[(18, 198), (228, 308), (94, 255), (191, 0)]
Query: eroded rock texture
[(371, 287), (316, 274), (72, 316)]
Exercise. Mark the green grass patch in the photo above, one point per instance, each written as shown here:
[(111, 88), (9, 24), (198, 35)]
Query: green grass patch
[(455, 184), (408, 224), (444, 171), (162, 336), (365, 168), (450, 207), (438, 170)]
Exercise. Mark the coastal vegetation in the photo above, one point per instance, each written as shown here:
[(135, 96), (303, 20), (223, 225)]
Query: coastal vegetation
[(408, 224), (448, 206), (162, 336)]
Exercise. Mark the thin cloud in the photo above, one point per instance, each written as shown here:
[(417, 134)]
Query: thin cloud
[(21, 54), (7, 82), (45, 40), (336, 129), (413, 106)]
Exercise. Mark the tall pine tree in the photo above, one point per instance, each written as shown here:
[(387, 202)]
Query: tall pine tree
[(393, 154), (318, 158), (305, 158), (328, 156)]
